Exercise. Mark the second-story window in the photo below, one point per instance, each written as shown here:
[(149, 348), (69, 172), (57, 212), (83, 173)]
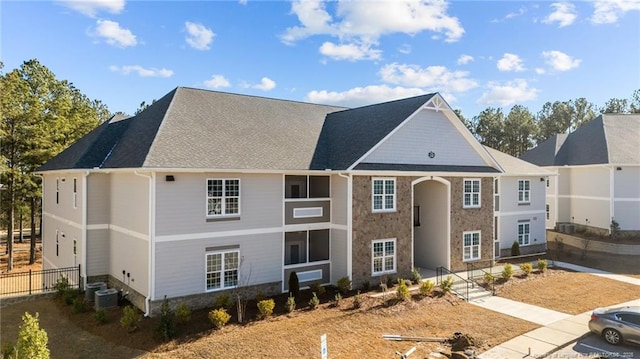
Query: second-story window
[(383, 196), (524, 191), (306, 187), (471, 196), (223, 197)]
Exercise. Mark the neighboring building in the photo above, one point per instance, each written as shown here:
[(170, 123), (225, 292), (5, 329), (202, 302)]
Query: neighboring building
[(598, 174), (205, 192)]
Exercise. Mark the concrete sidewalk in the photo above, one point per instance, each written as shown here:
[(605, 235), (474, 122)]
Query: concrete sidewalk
[(559, 329)]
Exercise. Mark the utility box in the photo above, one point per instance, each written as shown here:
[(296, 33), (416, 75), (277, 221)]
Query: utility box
[(106, 298), (92, 288)]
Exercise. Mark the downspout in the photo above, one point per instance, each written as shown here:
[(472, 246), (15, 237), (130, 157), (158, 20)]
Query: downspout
[(152, 247), (349, 224), (83, 270), (611, 196)]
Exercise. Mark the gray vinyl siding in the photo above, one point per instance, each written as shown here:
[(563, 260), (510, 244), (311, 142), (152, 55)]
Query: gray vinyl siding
[(512, 212), (129, 254), (181, 267), (509, 194), (130, 202), (64, 206), (98, 252), (181, 204), (339, 200), (626, 182), (98, 198), (428, 131), (509, 229), (338, 255)]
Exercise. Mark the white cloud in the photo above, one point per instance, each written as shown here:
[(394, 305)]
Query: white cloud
[(560, 61), (114, 34), (217, 81), (199, 36), (361, 96), (564, 14), (351, 52), (265, 84), (540, 71), (242, 2), (608, 12), (464, 59), (141, 71), (405, 49), (509, 93), (92, 7), (521, 11), (363, 22), (510, 62), (432, 78)]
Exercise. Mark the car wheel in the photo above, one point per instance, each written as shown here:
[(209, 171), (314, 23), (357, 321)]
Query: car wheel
[(612, 336)]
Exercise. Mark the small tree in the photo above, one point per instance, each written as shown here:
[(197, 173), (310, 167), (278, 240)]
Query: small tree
[(314, 301), (615, 229), (515, 249), (130, 318), (183, 313), (294, 284), (344, 284), (542, 265), (32, 341), (291, 304), (402, 292), (266, 307), (166, 328), (507, 271), (426, 288)]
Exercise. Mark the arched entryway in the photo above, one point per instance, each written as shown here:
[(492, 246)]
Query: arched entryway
[(432, 222)]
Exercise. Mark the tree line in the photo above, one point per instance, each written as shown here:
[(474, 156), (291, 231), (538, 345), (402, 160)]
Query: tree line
[(520, 130), (42, 115)]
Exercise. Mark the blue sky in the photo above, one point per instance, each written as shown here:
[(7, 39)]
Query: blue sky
[(477, 54)]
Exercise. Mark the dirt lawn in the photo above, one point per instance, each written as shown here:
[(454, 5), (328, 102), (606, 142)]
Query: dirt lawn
[(350, 332)]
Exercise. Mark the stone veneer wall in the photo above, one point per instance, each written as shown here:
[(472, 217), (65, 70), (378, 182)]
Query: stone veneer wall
[(369, 226), (471, 219)]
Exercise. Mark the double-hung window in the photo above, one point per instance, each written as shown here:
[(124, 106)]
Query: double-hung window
[(471, 196), (523, 233), (471, 246), (383, 256), (524, 191), (383, 194), (222, 269), (223, 197)]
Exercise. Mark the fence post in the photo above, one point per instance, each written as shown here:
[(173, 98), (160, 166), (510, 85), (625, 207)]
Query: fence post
[(79, 278), (29, 281)]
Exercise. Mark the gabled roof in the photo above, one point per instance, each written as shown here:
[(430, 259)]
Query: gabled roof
[(348, 135), (514, 166), (608, 139)]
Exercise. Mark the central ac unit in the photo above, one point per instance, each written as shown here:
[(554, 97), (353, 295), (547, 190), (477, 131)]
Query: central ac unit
[(106, 298), (92, 288)]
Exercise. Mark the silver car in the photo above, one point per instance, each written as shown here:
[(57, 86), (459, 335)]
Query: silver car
[(617, 324)]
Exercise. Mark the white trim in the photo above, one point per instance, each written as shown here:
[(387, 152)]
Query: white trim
[(307, 212), (204, 235), (593, 198), (384, 194), (83, 239), (522, 213), (63, 220), (93, 227), (626, 199), (471, 257), (129, 232), (471, 205), (395, 256)]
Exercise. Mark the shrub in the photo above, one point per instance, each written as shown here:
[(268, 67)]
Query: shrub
[(69, 296), (317, 288), (8, 350), (615, 229), (447, 284), (183, 314), (515, 249), (542, 265), (219, 317), (402, 293), (79, 305), (344, 284), (426, 288), (357, 300), (130, 318), (337, 300), (294, 284), (166, 328), (526, 268), (62, 285), (32, 341), (416, 277), (507, 271), (488, 277), (100, 316), (266, 307), (314, 301), (291, 303), (366, 286), (223, 301)]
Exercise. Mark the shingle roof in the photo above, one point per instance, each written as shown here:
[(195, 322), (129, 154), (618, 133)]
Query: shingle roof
[(514, 166), (609, 138), (348, 135)]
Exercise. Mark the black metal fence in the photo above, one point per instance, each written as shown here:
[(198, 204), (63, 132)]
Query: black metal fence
[(37, 281)]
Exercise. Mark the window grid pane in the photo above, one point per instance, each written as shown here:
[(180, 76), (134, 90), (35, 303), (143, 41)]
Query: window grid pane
[(223, 197), (384, 194), (383, 256), (222, 270), (471, 195)]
